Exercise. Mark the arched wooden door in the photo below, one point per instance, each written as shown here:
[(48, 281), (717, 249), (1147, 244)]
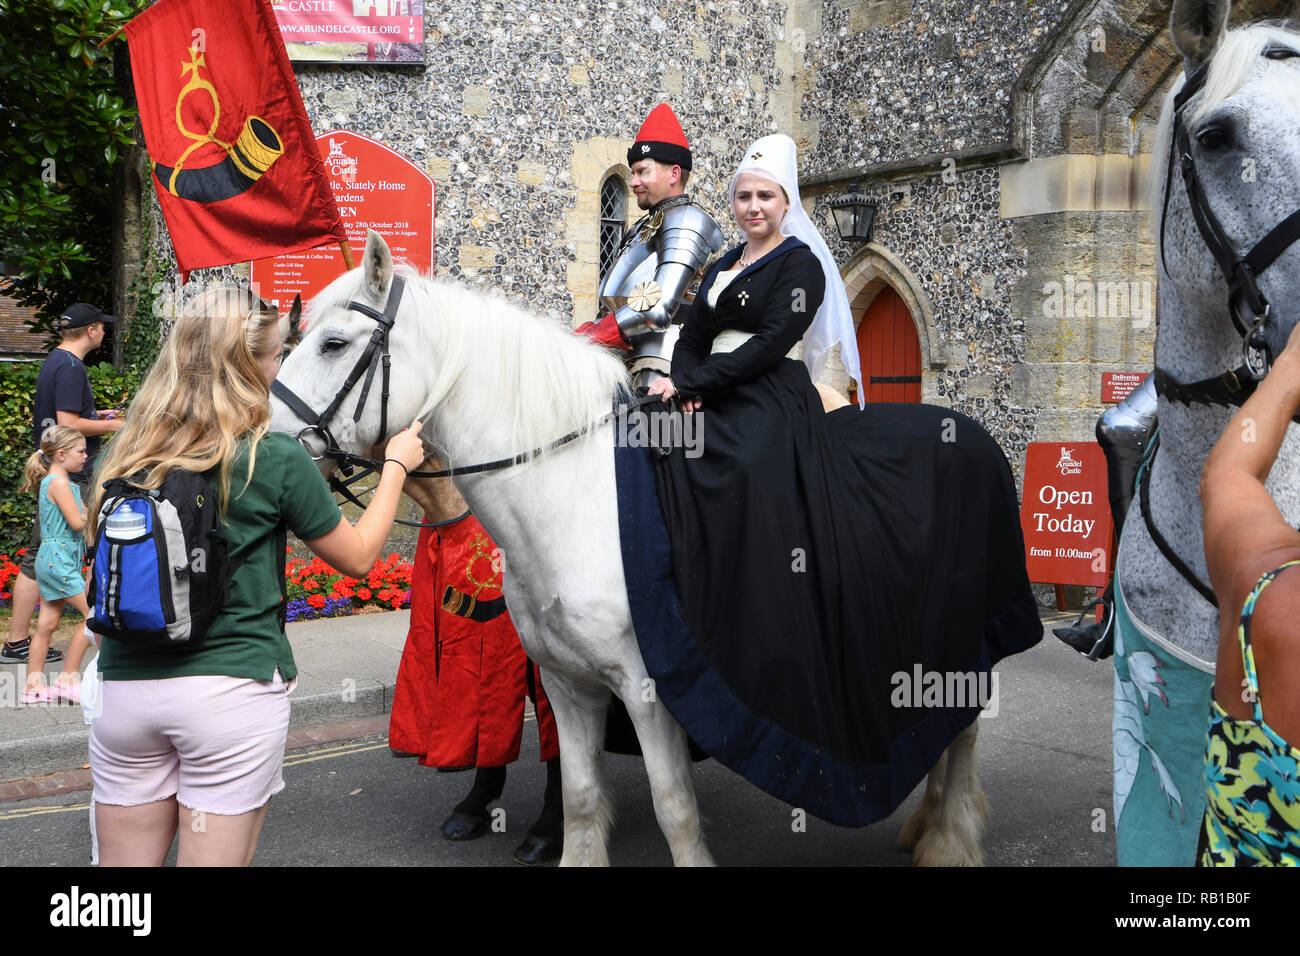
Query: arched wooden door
[(889, 351)]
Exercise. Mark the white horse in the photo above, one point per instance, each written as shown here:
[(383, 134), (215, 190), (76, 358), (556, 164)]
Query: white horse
[(491, 381), (1244, 138)]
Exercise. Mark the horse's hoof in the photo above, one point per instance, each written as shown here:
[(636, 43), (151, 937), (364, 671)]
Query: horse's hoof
[(464, 826), (539, 849)]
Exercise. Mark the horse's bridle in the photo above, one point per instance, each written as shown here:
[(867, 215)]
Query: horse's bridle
[(376, 355), (1241, 271), (1233, 387)]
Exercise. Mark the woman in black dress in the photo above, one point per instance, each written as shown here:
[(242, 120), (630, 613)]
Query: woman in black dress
[(819, 561)]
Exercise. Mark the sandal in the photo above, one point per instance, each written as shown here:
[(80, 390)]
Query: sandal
[(42, 696)]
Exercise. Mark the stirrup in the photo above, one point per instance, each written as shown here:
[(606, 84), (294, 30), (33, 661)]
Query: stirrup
[(1095, 641)]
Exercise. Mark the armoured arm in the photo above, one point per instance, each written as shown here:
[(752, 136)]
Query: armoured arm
[(684, 242), (1124, 433)]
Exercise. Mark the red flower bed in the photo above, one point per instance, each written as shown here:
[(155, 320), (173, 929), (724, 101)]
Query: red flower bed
[(317, 590), (8, 571)]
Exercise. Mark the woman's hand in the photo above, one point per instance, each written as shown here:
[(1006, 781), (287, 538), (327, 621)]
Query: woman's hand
[(665, 388), (354, 550), (407, 447)]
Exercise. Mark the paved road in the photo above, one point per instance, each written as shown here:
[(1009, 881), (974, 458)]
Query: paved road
[(1044, 761)]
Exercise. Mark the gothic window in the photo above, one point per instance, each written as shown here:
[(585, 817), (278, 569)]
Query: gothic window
[(611, 221)]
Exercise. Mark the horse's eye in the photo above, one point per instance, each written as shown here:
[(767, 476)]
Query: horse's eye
[(1281, 53), (1212, 137), (332, 345)]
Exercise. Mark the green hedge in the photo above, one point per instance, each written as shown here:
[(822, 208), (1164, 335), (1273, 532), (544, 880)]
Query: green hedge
[(17, 396)]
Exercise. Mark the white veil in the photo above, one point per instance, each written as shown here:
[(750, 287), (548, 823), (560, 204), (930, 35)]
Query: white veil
[(776, 157)]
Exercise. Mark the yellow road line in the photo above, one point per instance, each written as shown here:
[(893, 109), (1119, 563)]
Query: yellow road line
[(334, 753), (37, 811), (342, 750), (336, 747)]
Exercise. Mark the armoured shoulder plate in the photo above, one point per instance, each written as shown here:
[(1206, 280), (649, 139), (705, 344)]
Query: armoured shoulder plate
[(1129, 424), (683, 235), (1124, 432)]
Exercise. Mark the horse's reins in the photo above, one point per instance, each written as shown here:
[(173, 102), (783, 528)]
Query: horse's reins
[(376, 355), (1233, 387)]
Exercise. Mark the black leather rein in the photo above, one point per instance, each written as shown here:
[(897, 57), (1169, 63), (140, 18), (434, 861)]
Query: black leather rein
[(1233, 387)]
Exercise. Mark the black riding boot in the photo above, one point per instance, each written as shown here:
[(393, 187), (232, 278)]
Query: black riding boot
[(545, 840), (469, 819)]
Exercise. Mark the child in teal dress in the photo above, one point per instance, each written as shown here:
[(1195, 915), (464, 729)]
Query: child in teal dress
[(58, 564)]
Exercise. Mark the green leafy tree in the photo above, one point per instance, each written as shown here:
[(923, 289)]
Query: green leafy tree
[(63, 124)]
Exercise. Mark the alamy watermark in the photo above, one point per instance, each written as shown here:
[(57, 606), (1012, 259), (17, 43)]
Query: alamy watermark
[(664, 429), (922, 688), (1088, 299)]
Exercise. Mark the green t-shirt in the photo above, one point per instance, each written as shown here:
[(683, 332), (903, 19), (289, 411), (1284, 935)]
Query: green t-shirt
[(246, 639)]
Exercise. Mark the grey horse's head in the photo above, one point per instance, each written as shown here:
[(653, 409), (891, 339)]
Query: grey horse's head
[(1244, 141), (335, 340)]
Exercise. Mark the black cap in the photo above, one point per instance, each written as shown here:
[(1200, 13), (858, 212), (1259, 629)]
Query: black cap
[(82, 314)]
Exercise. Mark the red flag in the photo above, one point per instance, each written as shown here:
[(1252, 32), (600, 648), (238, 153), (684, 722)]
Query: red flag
[(235, 163)]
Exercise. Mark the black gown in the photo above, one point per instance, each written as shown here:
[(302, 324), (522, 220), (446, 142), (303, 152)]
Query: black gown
[(795, 585)]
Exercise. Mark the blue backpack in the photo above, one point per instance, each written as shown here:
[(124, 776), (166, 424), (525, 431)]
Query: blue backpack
[(161, 567)]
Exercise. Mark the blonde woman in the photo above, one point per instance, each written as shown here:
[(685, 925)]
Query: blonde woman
[(193, 740)]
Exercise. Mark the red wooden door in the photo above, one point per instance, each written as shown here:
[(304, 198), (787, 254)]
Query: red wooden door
[(889, 351)]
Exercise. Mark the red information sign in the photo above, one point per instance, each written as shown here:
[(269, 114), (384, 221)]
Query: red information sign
[(1117, 386), (1065, 513), (375, 188)]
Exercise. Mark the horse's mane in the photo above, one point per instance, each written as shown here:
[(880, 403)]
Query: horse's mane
[(496, 362), (1231, 63)]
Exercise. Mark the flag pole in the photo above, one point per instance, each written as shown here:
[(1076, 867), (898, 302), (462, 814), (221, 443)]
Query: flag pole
[(347, 254), (110, 38)]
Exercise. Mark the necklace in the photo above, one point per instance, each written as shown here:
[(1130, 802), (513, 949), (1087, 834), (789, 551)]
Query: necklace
[(750, 257)]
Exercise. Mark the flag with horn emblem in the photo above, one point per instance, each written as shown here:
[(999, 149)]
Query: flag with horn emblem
[(234, 161)]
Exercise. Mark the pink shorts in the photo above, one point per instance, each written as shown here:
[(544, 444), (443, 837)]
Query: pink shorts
[(215, 743)]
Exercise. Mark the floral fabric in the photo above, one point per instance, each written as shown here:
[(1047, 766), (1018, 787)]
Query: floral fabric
[(1252, 814)]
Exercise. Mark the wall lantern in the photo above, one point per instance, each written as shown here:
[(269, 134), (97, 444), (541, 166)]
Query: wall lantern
[(854, 215)]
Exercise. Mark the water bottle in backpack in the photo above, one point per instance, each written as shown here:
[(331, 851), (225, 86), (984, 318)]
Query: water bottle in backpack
[(161, 570)]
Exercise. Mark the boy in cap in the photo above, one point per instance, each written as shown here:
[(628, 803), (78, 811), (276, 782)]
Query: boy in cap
[(63, 397)]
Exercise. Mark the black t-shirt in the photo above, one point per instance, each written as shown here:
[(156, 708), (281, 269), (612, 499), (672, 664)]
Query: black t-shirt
[(64, 386)]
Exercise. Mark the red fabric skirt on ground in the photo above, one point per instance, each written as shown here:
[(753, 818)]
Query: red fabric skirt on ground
[(459, 700)]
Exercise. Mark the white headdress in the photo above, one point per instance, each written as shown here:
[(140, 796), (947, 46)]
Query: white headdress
[(776, 158)]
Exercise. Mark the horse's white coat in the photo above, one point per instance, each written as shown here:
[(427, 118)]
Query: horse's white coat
[(495, 381), (1251, 185)]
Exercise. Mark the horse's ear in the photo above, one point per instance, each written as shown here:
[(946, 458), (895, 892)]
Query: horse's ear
[(295, 322), (377, 265), (1197, 27)]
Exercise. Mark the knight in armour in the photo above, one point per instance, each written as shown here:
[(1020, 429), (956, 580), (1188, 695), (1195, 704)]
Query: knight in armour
[(662, 255)]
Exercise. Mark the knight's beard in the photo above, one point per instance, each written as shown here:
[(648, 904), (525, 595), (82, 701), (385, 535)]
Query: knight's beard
[(643, 201)]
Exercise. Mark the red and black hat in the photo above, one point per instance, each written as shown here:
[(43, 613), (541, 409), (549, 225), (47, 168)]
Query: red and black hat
[(661, 138)]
